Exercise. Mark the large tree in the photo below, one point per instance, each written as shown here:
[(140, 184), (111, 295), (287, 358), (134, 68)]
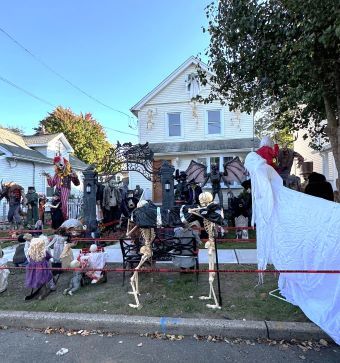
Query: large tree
[(282, 52), (84, 133)]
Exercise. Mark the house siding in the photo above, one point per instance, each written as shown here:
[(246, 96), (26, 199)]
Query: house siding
[(175, 98)]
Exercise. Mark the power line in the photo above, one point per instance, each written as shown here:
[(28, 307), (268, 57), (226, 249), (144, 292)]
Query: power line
[(62, 77), (25, 91), (49, 103)]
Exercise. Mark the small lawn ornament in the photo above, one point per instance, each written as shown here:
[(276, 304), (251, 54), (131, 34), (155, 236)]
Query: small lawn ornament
[(75, 282)]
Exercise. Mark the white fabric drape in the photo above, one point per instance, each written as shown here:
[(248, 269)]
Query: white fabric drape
[(296, 231)]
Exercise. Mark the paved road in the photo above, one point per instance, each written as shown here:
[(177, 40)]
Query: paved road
[(31, 346)]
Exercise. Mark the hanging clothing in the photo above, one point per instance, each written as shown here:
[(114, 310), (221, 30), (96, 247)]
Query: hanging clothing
[(296, 231)]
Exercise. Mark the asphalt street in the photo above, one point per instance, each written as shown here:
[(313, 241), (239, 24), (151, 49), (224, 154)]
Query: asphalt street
[(34, 346)]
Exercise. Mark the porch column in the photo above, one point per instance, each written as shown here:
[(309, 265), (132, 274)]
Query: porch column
[(89, 196), (166, 173)]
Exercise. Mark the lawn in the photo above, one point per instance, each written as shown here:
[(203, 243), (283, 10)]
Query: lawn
[(162, 294)]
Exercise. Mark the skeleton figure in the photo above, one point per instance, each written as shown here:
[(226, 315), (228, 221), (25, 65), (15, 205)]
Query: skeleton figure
[(206, 200), (148, 235)]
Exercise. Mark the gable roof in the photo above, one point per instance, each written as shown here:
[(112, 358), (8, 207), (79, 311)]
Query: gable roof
[(18, 152), (166, 81), (77, 163), (44, 139), (40, 139)]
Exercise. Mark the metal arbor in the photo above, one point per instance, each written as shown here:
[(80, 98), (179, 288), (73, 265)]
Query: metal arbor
[(129, 157)]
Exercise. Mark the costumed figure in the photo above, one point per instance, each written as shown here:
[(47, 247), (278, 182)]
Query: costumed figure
[(4, 272), (99, 199), (296, 231), (21, 252), (285, 160), (306, 171), (269, 151), (38, 275), (15, 196), (194, 192), (42, 202), (94, 259), (215, 213), (181, 188), (111, 202), (75, 282), (32, 202), (62, 180), (56, 208), (319, 187), (129, 204), (138, 192)]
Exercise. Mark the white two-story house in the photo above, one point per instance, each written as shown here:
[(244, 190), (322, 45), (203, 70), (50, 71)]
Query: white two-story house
[(180, 130)]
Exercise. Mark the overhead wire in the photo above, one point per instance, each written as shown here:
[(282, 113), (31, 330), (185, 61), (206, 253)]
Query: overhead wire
[(49, 103), (64, 78)]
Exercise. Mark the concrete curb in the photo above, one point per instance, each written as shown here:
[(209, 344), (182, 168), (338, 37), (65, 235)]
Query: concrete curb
[(126, 324)]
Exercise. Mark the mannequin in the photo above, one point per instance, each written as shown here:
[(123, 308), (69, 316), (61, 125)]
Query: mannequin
[(285, 162), (181, 189), (111, 202), (32, 206)]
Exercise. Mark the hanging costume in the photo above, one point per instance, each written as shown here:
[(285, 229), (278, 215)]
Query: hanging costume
[(296, 231)]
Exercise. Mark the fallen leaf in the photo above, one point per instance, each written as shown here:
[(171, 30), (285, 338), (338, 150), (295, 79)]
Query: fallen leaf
[(302, 357), (120, 342), (62, 351), (140, 345)]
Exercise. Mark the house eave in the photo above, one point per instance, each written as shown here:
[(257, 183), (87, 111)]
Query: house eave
[(14, 157), (205, 152)]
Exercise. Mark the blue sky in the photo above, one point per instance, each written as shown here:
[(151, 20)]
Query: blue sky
[(117, 51)]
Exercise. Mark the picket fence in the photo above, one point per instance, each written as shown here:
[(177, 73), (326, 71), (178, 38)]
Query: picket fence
[(74, 207)]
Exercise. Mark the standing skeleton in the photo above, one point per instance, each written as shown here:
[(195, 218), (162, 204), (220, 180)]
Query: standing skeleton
[(206, 200)]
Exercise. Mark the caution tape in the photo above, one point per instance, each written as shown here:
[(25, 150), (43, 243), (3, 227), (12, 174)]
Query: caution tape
[(169, 270)]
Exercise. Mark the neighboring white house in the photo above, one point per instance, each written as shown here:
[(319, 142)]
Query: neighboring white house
[(180, 130), (323, 161), (23, 159)]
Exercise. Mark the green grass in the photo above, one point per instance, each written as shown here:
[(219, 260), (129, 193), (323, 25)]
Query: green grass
[(162, 294)]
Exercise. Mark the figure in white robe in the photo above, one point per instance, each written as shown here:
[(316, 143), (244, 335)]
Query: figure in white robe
[(296, 231)]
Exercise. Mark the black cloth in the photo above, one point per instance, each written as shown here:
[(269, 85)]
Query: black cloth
[(319, 187), (57, 215)]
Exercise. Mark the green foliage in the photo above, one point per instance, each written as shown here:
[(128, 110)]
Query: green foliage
[(84, 133), (278, 52)]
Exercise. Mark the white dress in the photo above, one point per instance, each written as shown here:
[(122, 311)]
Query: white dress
[(296, 231)]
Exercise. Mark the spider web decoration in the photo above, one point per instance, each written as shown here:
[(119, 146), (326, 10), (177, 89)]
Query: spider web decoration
[(129, 157), (234, 171)]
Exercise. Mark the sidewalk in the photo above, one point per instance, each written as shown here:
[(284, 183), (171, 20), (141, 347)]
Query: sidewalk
[(114, 255)]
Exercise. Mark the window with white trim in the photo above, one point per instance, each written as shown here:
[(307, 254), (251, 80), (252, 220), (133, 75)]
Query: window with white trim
[(174, 124), (214, 122)]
